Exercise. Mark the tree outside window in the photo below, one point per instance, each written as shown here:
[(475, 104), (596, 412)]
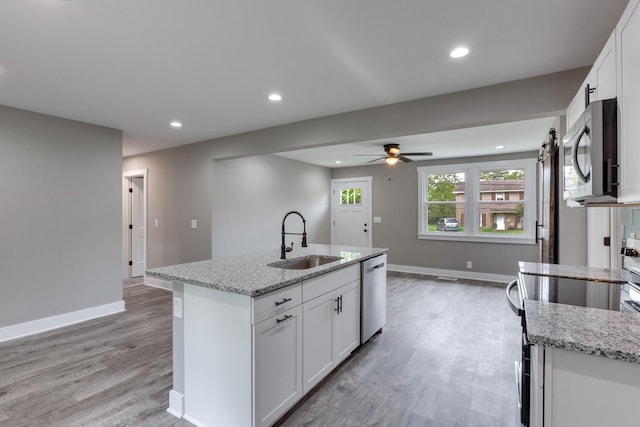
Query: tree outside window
[(445, 198), (498, 197)]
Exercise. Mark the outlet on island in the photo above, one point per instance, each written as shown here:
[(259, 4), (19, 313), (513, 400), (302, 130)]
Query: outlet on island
[(469, 264)]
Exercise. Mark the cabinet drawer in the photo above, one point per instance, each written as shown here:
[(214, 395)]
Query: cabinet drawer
[(274, 303), (320, 285)]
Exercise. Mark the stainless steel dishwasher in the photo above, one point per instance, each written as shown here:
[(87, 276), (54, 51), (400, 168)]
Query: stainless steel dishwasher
[(373, 297)]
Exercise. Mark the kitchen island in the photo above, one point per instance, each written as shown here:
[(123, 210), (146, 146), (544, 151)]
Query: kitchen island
[(251, 338), (584, 362)]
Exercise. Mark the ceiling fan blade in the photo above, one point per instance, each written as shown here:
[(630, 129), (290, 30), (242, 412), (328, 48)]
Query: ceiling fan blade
[(426, 153), (367, 154), (404, 159), (375, 160)]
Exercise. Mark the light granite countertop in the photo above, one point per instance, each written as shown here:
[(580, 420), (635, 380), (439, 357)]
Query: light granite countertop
[(598, 332), (575, 272), (593, 331), (249, 274)]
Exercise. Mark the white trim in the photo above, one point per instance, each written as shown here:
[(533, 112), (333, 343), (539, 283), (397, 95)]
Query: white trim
[(45, 324), (158, 283), (369, 203), (473, 275), (126, 244), (514, 239), (472, 205), (194, 421), (176, 404)]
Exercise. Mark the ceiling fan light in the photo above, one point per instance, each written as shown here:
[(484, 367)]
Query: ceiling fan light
[(394, 150), (391, 160)]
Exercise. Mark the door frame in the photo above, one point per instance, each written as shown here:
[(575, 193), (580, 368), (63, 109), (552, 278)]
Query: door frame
[(368, 204), (126, 218)]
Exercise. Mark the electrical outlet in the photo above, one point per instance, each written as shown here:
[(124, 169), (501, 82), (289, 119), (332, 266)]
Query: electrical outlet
[(377, 219), (155, 222), (194, 223), (469, 264), (177, 307)]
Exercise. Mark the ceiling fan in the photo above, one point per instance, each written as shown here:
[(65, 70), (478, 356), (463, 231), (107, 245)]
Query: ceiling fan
[(394, 154)]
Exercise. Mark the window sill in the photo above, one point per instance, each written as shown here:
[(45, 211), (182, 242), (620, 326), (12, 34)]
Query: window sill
[(453, 237)]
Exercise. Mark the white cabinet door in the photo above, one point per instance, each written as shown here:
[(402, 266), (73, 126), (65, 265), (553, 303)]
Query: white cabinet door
[(331, 332), (605, 71), (627, 36), (277, 365), (575, 108), (347, 321), (318, 353), (598, 228), (601, 81)]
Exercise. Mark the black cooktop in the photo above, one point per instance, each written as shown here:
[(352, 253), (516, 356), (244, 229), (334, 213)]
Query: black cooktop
[(583, 293)]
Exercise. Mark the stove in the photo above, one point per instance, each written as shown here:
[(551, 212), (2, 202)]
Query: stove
[(578, 292)]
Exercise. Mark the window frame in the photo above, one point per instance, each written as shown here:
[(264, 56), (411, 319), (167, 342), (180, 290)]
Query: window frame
[(472, 201)]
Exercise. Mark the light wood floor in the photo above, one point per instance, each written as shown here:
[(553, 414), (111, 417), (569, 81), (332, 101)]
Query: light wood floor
[(445, 358)]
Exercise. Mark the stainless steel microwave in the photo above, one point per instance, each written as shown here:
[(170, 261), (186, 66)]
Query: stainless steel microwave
[(590, 148)]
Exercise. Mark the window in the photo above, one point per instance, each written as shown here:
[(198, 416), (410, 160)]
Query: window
[(497, 198), (350, 196)]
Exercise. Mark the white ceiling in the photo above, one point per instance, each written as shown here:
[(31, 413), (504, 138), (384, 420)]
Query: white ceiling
[(135, 65), (514, 137)]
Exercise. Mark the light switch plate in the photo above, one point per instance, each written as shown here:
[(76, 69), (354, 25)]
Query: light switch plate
[(194, 223), (377, 219), (177, 307), (155, 222)]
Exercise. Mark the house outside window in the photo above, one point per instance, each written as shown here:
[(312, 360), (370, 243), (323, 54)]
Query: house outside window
[(500, 195)]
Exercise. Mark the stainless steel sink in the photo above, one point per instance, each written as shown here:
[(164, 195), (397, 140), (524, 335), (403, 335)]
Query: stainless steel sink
[(305, 262)]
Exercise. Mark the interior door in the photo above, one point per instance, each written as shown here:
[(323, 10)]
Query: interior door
[(137, 227), (351, 212)]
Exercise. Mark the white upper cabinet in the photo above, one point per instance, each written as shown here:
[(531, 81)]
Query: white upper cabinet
[(604, 70), (628, 72), (578, 103), (600, 83)]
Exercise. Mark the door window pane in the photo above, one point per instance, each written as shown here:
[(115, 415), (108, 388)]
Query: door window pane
[(350, 196)]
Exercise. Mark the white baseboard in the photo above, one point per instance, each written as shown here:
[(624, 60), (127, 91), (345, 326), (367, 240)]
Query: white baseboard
[(473, 275), (194, 421), (176, 404), (41, 325), (158, 283)]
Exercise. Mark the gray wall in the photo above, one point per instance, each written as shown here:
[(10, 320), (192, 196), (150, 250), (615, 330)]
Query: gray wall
[(395, 199), (60, 217), (247, 199), (542, 96), (252, 195), (178, 191), (179, 187)]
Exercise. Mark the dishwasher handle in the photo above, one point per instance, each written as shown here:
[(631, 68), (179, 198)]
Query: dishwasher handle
[(379, 265), (514, 307)]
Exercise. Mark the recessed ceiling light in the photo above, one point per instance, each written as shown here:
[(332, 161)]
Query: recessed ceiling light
[(175, 124), (499, 147), (275, 97), (459, 52), (338, 162)]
